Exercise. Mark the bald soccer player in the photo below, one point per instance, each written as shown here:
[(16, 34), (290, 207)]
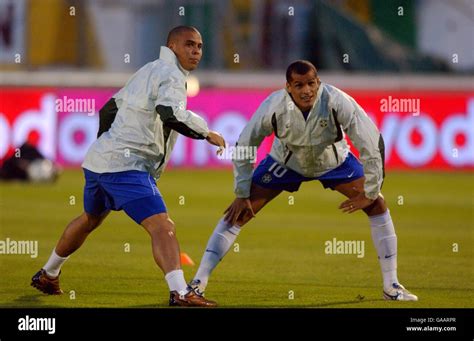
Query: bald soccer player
[(137, 131)]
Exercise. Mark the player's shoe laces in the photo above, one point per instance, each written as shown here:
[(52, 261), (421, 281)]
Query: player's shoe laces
[(190, 299), (197, 287), (398, 293), (46, 284)]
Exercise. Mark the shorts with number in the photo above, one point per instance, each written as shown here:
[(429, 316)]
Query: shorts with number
[(271, 174)]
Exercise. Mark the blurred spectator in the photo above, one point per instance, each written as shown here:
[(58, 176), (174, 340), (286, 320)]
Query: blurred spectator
[(28, 164)]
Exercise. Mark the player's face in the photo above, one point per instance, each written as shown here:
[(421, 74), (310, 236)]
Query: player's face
[(188, 49), (303, 89)]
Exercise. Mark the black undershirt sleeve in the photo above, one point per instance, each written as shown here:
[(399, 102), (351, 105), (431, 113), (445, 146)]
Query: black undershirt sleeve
[(107, 116), (169, 120)]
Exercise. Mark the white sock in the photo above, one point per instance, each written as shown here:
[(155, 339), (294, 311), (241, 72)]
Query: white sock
[(53, 266), (218, 245), (385, 241), (176, 281)]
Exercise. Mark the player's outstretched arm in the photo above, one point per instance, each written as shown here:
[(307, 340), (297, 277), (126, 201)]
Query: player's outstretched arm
[(184, 122), (171, 107), (216, 139), (368, 141), (252, 136)]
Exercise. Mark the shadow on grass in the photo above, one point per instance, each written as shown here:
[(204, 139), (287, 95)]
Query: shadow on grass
[(299, 306), (34, 301), (338, 303), (29, 301)]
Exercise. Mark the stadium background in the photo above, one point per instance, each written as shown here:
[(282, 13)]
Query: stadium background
[(374, 50)]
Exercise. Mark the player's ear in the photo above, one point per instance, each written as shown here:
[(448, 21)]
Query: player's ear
[(288, 87)]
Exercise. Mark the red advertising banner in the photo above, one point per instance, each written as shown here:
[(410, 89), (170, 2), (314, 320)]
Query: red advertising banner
[(421, 129)]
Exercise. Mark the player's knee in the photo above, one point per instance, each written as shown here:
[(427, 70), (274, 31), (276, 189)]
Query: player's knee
[(170, 226), (377, 207), (164, 226), (381, 205), (89, 222)]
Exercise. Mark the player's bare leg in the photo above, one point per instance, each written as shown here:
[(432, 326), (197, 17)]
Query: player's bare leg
[(165, 248), (225, 234), (164, 244), (259, 197), (354, 188), (76, 232), (383, 236)]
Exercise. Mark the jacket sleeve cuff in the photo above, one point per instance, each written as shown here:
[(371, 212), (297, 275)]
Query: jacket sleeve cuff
[(242, 190), (372, 195)]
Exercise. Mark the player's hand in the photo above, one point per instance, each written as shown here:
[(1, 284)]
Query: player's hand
[(239, 206), (216, 139), (358, 202)]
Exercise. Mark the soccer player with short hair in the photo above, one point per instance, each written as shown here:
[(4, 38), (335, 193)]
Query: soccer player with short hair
[(309, 119), (137, 131)]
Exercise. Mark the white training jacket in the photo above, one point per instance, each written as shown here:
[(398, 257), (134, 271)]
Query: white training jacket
[(151, 112), (317, 145)]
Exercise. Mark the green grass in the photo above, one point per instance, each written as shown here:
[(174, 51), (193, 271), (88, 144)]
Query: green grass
[(282, 250)]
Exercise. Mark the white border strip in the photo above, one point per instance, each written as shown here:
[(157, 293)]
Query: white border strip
[(245, 80)]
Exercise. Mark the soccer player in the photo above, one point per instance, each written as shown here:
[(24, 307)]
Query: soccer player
[(137, 131), (309, 119)]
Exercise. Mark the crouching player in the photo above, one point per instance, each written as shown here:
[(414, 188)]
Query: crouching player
[(308, 119)]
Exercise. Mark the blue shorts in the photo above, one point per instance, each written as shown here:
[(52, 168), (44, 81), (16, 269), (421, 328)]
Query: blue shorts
[(271, 174), (135, 192)]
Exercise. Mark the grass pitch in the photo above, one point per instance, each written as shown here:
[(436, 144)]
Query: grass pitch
[(280, 259)]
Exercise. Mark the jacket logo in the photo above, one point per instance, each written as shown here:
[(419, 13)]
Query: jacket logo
[(323, 123)]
